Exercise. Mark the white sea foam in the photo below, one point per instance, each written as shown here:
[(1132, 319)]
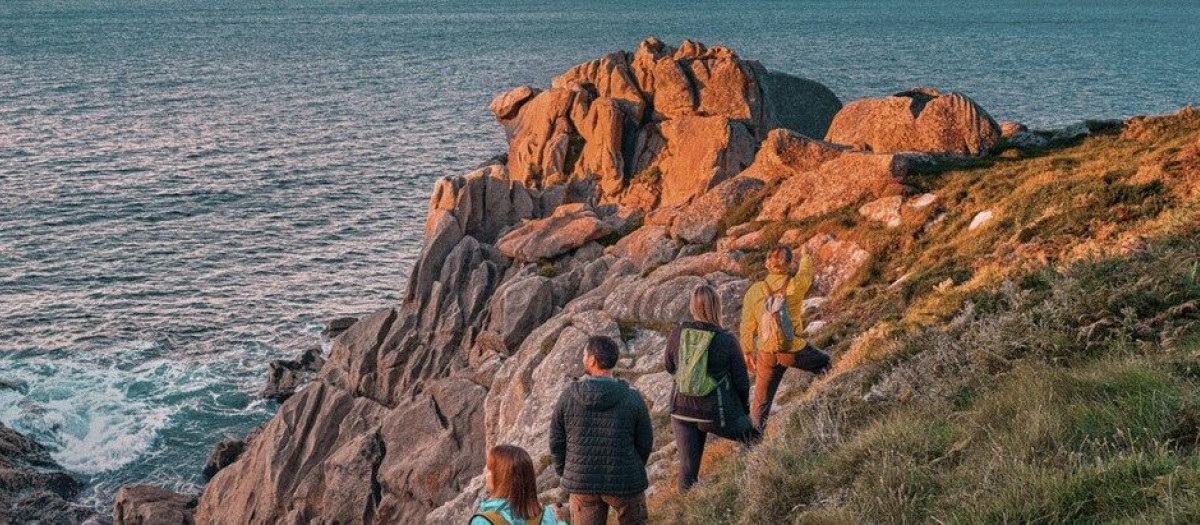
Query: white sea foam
[(98, 415)]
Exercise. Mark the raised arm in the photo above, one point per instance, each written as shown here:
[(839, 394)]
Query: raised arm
[(797, 289)]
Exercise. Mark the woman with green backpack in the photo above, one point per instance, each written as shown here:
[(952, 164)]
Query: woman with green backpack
[(711, 392)]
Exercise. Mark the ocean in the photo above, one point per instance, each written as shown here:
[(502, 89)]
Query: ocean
[(189, 189)]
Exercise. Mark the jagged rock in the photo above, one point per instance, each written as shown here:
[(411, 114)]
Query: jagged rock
[(223, 454), (147, 505), (335, 327), (785, 154), (285, 376), (980, 219), (568, 228), (745, 242), (699, 221), (528, 384), (33, 487), (623, 220), (434, 447), (922, 119), (517, 307), (648, 247), (885, 210), (710, 108), (701, 153), (662, 296), (506, 105), (656, 389), (845, 180), (647, 347), (835, 261)]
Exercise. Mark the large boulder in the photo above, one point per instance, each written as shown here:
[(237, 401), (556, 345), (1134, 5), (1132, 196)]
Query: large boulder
[(570, 227), (847, 179), (648, 247), (149, 505), (835, 261), (786, 153), (700, 221), (922, 120)]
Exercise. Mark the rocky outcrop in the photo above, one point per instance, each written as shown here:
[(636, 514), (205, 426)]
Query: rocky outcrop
[(33, 487), (223, 454), (570, 227), (921, 120), (814, 185), (700, 221), (285, 376), (149, 505), (383, 433), (661, 123)]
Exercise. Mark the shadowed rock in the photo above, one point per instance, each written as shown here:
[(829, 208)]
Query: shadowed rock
[(223, 454), (33, 487)]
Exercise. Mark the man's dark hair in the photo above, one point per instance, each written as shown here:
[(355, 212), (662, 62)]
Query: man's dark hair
[(604, 350)]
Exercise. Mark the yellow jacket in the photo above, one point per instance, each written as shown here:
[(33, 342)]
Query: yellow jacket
[(756, 299)]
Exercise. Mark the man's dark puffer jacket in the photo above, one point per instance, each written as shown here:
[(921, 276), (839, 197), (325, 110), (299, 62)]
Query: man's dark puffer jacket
[(601, 437)]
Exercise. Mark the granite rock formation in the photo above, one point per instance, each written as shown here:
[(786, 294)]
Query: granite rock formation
[(922, 120)]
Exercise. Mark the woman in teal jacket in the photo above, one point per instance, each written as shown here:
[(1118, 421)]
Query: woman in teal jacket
[(512, 484)]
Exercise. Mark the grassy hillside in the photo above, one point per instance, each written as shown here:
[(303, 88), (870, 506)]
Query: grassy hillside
[(1040, 368)]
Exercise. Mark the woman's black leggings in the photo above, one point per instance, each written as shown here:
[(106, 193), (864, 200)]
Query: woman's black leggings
[(690, 438)]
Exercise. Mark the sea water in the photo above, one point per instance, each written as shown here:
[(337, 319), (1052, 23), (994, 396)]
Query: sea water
[(190, 188)]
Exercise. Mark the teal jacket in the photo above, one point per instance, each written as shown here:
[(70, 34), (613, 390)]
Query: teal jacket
[(501, 506)]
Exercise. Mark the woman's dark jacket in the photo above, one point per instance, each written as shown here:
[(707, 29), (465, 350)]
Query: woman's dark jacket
[(725, 364)]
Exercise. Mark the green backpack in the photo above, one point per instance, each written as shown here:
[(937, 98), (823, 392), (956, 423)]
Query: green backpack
[(691, 372)]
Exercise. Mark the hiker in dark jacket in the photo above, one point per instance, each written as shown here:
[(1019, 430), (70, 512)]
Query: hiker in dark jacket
[(711, 391), (600, 439)]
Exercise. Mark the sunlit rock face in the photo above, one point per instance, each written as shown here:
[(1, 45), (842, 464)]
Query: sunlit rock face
[(655, 127), (922, 120)]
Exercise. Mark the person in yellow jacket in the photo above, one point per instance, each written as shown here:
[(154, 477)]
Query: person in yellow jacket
[(769, 359)]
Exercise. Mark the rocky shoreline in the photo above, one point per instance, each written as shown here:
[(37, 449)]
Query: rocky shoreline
[(623, 189), (34, 488)]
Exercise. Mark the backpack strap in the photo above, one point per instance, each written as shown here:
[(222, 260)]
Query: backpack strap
[(492, 516)]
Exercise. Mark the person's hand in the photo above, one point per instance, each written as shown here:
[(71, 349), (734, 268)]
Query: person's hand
[(749, 362)]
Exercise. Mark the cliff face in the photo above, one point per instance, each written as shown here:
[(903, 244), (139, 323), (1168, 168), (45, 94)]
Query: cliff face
[(634, 179)]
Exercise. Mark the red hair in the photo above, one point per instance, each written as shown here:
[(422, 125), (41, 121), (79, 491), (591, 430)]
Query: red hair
[(514, 479)]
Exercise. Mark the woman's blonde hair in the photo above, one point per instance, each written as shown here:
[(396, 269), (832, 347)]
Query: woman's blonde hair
[(706, 305), (780, 260)]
